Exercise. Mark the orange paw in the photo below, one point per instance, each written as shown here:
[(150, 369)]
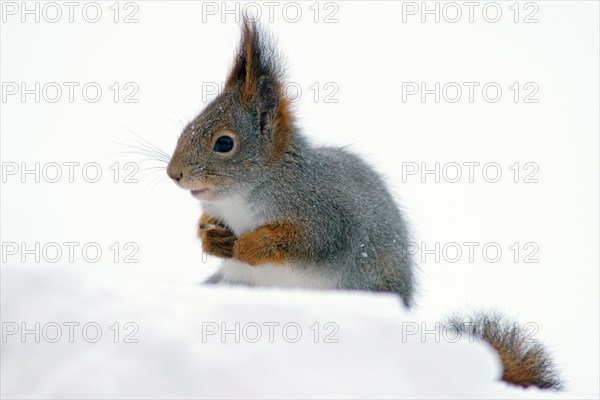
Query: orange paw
[(217, 242), (270, 244)]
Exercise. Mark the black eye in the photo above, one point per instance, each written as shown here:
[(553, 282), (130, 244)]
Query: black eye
[(224, 144)]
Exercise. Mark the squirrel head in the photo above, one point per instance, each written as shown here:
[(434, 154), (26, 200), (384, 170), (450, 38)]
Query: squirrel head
[(244, 130)]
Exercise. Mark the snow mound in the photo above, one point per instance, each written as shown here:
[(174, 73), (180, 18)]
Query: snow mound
[(73, 333)]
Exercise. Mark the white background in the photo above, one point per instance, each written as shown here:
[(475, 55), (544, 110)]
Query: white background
[(176, 48)]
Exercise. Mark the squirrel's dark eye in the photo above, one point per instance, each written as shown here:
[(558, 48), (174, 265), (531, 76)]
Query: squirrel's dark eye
[(224, 144)]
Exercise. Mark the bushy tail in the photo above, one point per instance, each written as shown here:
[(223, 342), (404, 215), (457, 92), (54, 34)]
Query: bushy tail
[(525, 360)]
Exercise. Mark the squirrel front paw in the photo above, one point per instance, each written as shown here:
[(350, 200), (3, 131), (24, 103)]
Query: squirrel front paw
[(254, 248), (272, 243), (218, 241)]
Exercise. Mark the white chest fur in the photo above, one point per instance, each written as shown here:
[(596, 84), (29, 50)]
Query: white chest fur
[(241, 218), (235, 212)]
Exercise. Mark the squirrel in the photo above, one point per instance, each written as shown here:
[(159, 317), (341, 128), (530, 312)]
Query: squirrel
[(281, 211)]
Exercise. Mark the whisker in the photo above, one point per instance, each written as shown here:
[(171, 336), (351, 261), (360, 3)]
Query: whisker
[(176, 116), (152, 185), (149, 150), (146, 152), (150, 146), (145, 175), (178, 122), (146, 142), (207, 172), (162, 168), (220, 175)]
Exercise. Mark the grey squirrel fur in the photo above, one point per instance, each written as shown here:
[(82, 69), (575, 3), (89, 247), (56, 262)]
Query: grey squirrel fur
[(289, 213), (351, 233)]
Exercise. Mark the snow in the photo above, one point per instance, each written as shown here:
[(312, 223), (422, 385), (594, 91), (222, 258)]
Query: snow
[(189, 346), (170, 55)]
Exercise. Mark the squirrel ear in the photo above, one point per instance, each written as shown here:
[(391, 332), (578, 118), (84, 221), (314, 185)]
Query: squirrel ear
[(256, 72)]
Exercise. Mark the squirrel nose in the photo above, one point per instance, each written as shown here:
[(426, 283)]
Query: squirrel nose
[(174, 173)]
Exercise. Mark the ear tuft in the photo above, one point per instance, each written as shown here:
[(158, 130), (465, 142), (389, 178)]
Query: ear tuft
[(257, 75), (256, 66)]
